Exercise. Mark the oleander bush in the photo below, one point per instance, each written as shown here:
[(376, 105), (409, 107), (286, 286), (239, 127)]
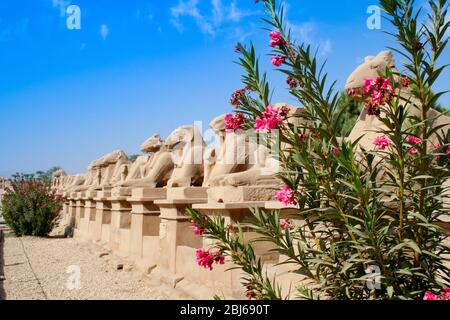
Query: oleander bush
[(30, 207), (369, 217)]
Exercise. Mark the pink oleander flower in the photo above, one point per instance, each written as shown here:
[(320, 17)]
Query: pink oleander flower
[(372, 109), (351, 93), (198, 230), (369, 84), (405, 82), (287, 224), (266, 124), (438, 149), (236, 96), (271, 119), (337, 152), (377, 97), (303, 137), (380, 91), (234, 122), (250, 293), (293, 83), (386, 85), (446, 294), (413, 151), (286, 196), (276, 40), (382, 142), (220, 259), (413, 140), (430, 296), (278, 60), (206, 259)]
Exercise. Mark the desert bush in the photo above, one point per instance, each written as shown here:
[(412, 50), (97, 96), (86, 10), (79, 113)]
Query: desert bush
[(369, 217), (30, 207)]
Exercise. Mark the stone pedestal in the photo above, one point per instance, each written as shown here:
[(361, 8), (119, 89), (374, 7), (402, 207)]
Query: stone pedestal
[(79, 215), (145, 223), (84, 215), (241, 194), (175, 231), (233, 213), (238, 212), (73, 213), (66, 212), (121, 192), (102, 218), (119, 240), (90, 212)]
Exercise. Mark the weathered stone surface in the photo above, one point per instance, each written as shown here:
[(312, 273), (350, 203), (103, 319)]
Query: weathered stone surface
[(187, 147)]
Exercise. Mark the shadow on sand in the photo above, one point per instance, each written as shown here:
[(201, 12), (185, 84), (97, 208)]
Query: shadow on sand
[(2, 264)]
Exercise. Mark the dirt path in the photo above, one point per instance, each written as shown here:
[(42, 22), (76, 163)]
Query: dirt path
[(2, 263), (37, 268)]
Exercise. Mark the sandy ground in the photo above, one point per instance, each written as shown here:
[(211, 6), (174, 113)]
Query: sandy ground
[(36, 268)]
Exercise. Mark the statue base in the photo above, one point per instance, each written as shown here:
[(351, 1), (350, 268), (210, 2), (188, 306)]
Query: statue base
[(230, 194)]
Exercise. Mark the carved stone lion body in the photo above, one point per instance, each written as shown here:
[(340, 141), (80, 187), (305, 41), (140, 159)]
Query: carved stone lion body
[(151, 171), (187, 147)]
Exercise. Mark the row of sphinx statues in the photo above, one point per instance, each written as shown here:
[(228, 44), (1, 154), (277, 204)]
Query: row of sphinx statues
[(183, 160)]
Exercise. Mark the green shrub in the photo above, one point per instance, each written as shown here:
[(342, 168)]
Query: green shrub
[(30, 207)]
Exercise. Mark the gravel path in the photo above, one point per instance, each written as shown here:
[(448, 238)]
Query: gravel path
[(38, 269)]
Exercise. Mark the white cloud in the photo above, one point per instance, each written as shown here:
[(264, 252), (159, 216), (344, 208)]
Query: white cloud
[(235, 14), (61, 5), (302, 32), (240, 34), (307, 32), (325, 47), (104, 31), (189, 8), (208, 24), (217, 12)]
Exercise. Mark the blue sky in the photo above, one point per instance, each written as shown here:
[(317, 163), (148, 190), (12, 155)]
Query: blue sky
[(138, 67)]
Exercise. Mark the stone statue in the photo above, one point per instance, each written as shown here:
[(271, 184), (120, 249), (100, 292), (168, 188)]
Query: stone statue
[(229, 157), (368, 126), (58, 178), (151, 171), (90, 181), (111, 168), (187, 147), (243, 162), (75, 181)]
